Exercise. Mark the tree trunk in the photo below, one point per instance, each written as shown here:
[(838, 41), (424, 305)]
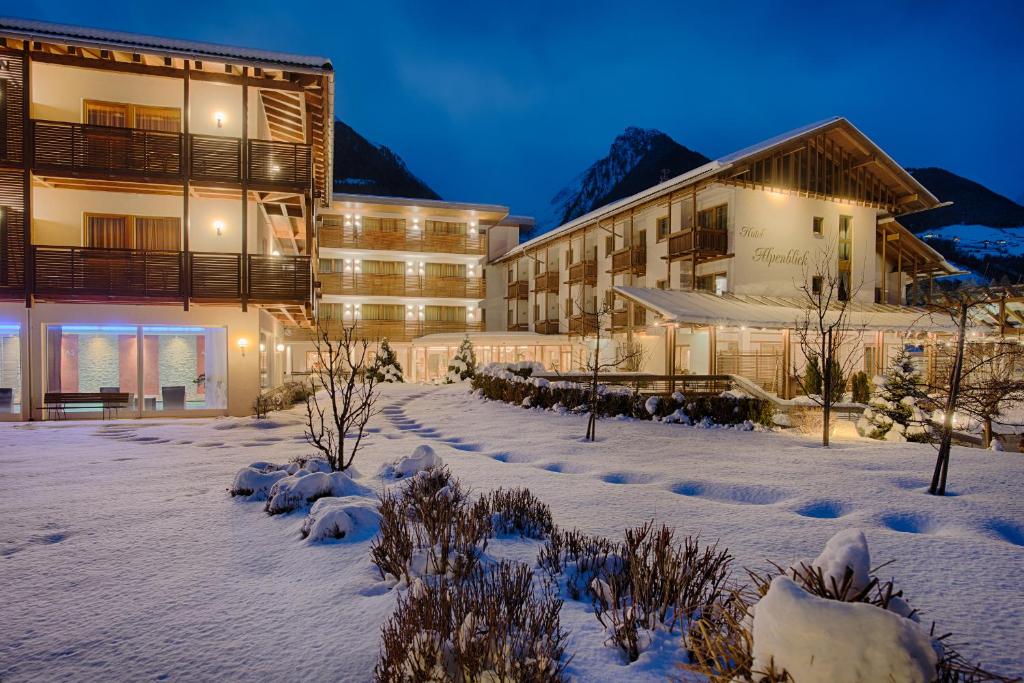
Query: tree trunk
[(826, 389), (938, 484), (986, 433)]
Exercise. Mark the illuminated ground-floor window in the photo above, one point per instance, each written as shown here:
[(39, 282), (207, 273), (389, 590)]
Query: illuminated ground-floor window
[(10, 368), (161, 368)]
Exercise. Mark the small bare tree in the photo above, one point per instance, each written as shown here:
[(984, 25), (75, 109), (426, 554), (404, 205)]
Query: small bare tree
[(824, 330), (992, 383), (336, 416), (591, 321)]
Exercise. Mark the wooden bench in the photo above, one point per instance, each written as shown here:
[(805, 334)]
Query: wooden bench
[(55, 402)]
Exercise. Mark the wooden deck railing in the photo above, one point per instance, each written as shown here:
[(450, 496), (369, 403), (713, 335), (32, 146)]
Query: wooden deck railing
[(399, 330), (86, 273), (280, 163), (582, 324), (701, 240), (215, 158), (583, 272), (79, 148), (620, 319), (630, 258), (764, 369), (546, 282), (519, 290), (402, 285), (339, 237), (546, 327)]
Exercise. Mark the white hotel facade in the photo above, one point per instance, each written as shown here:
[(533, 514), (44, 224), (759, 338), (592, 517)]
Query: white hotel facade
[(167, 233)]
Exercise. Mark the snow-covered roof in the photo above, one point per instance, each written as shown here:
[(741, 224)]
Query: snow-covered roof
[(717, 166), (495, 338), (705, 308), (30, 29), (348, 199)]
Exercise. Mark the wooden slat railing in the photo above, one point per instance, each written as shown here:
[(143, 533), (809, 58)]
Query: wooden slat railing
[(583, 272), (701, 240), (620, 318), (546, 282), (402, 285), (546, 327), (279, 279), (60, 146), (280, 163), (399, 330), (630, 258), (215, 276), (334, 236), (215, 158), (582, 324), (519, 290), (764, 369), (83, 273)]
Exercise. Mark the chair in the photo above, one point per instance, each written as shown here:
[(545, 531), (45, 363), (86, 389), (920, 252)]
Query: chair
[(6, 399), (174, 398)]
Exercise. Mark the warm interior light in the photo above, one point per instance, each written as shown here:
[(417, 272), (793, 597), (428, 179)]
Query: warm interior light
[(219, 118), (276, 253), (263, 347), (279, 347), (218, 225)]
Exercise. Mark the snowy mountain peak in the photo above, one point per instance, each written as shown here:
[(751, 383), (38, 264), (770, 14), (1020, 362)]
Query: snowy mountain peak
[(638, 158)]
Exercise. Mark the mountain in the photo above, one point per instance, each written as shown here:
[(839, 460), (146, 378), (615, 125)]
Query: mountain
[(362, 167), (973, 203), (637, 159)]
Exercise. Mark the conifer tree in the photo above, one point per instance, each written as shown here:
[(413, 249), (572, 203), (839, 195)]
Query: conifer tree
[(463, 365), (892, 412), (386, 365)]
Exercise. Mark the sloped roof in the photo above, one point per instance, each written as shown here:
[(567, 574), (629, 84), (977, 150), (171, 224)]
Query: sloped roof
[(30, 29), (723, 163), (705, 308)]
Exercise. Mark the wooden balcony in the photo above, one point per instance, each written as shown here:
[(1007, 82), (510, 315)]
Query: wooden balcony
[(546, 327), (583, 272), (518, 290), (518, 327), (632, 259), (75, 149), (698, 242), (339, 237), (279, 279), (402, 285), (620, 318), (583, 324), (399, 330), (213, 158), (88, 274), (546, 282), (280, 164)]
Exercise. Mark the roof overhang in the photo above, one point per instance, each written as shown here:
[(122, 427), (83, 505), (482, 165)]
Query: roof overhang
[(487, 214)]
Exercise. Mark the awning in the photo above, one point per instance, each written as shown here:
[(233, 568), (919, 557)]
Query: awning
[(771, 312)]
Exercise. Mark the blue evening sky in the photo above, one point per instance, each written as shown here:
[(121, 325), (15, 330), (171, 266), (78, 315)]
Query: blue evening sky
[(506, 101)]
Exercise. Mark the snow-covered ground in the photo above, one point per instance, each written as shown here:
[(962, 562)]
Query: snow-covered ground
[(124, 557)]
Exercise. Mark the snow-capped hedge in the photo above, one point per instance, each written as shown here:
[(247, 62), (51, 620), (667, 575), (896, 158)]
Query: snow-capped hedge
[(423, 458), (352, 518), (304, 487), (514, 383)]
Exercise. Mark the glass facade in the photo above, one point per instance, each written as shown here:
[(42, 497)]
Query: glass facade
[(170, 368), (10, 368)]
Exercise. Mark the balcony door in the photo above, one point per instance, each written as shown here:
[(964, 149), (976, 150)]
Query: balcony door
[(150, 233), (124, 115)]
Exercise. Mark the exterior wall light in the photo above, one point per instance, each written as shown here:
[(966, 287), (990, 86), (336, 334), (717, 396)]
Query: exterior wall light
[(243, 344), (218, 226), (280, 347), (275, 253), (219, 118), (263, 347)]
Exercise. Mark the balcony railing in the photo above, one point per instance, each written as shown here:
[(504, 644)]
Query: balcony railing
[(216, 159), (279, 279), (518, 290), (399, 330), (620, 318), (546, 282), (78, 148), (583, 324), (583, 272), (546, 327), (91, 274), (402, 285), (631, 258), (339, 237), (280, 163), (699, 241)]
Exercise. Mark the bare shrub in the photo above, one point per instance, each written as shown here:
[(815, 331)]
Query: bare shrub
[(496, 624), (429, 528), (516, 511), (580, 559)]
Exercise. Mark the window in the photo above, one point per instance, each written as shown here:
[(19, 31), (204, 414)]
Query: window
[(511, 274), (716, 283), (382, 312), (326, 265), (377, 224), (662, 284), (445, 269), (383, 267), (112, 231), (664, 227), (444, 228), (450, 314), (715, 218), (609, 244), (642, 238), (818, 226), (4, 236), (816, 284), (3, 119), (123, 115), (609, 298), (845, 249)]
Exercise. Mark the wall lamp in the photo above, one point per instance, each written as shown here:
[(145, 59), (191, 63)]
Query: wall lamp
[(218, 225), (219, 118), (243, 344)]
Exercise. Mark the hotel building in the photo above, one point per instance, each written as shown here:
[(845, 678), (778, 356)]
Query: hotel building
[(704, 271), (157, 203)]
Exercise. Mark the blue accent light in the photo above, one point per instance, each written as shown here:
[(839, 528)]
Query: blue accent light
[(166, 329), (10, 327), (119, 329)]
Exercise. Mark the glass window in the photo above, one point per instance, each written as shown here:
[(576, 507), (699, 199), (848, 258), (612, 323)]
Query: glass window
[(184, 368), (663, 228), (92, 359), (10, 368), (818, 226)]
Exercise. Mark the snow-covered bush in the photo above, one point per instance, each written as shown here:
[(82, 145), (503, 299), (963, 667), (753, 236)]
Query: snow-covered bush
[(423, 458), (254, 482), (496, 625), (516, 511), (463, 365), (428, 528), (298, 490), (893, 413), (663, 584), (385, 365), (352, 518)]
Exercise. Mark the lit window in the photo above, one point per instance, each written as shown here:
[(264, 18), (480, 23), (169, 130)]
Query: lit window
[(818, 228)]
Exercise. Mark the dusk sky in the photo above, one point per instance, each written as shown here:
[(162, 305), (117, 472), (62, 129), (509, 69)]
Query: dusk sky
[(506, 102)]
